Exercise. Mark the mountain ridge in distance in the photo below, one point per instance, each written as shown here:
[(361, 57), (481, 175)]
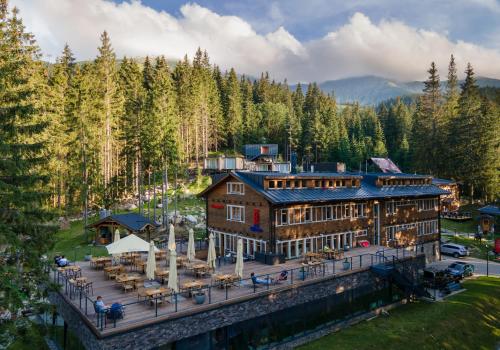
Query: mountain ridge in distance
[(371, 89)]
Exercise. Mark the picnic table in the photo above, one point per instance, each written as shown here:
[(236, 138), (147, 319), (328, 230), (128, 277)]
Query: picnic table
[(129, 258), (140, 265), (80, 281), (200, 269), (312, 266), (161, 254), (181, 261), (161, 274), (71, 270), (225, 280), (190, 286), (154, 292), (101, 262), (313, 256), (113, 268)]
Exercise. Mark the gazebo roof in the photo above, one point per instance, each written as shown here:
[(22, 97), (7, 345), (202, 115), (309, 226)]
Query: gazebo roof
[(131, 221), (490, 210)]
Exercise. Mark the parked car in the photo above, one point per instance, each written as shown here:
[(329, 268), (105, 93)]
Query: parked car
[(456, 250), (460, 269)]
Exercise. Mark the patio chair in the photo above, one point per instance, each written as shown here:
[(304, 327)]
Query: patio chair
[(88, 288), (127, 287), (141, 293)]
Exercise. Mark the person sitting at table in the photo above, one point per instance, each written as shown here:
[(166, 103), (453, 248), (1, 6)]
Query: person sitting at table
[(56, 259), (256, 280), (62, 262), (115, 311), (99, 305)]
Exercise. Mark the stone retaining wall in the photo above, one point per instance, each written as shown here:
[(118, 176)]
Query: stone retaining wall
[(256, 305)]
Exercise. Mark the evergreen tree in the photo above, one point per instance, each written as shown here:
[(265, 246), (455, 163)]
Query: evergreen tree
[(25, 235), (133, 86), (427, 128), (109, 107), (474, 144), (449, 114), (58, 133), (233, 112)]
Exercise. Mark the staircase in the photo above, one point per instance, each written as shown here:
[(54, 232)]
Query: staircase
[(394, 271)]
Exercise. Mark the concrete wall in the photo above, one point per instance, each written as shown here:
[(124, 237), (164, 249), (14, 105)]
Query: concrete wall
[(175, 329)]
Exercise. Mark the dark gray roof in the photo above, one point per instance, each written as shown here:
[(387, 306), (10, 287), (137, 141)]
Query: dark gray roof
[(309, 195), (131, 221), (437, 181), (490, 210)]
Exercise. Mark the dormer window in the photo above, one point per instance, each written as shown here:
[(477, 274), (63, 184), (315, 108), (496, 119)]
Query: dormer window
[(235, 188)]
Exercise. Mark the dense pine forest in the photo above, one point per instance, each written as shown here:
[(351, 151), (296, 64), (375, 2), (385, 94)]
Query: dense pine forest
[(109, 124)]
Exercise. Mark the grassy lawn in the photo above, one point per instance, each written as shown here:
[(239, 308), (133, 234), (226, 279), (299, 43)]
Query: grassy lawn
[(469, 320), (464, 226), (71, 242)]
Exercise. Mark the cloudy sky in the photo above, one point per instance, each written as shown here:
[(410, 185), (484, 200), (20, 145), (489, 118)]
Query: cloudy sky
[(313, 40)]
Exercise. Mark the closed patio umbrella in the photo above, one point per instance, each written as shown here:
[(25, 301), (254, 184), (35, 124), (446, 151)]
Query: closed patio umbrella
[(171, 238), (238, 270), (151, 263), (191, 250), (116, 238), (211, 257), (172, 275)]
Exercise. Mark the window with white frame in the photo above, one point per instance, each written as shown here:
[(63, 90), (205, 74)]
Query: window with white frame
[(284, 217), (359, 210), (427, 204), (295, 216), (308, 214), (235, 188), (360, 233), (236, 213), (327, 212), (390, 208)]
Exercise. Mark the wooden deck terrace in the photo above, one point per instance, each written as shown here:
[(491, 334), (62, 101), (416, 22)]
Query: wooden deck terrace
[(139, 312)]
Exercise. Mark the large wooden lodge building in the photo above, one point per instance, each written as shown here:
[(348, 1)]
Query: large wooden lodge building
[(290, 214)]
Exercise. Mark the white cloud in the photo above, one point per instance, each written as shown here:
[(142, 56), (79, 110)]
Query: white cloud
[(389, 48)]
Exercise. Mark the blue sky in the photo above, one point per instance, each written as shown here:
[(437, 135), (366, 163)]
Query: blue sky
[(302, 40)]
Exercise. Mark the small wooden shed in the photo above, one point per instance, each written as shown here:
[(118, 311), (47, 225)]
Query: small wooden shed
[(130, 222)]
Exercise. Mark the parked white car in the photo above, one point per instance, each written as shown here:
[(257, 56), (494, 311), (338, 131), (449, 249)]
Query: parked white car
[(456, 250)]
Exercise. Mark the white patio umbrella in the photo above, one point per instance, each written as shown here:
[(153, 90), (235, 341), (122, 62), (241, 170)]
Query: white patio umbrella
[(129, 244), (305, 246), (212, 256), (238, 269), (171, 238), (191, 250), (116, 238), (151, 263), (172, 274)]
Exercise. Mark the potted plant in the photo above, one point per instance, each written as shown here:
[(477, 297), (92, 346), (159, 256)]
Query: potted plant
[(199, 297), (302, 273), (346, 264)]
